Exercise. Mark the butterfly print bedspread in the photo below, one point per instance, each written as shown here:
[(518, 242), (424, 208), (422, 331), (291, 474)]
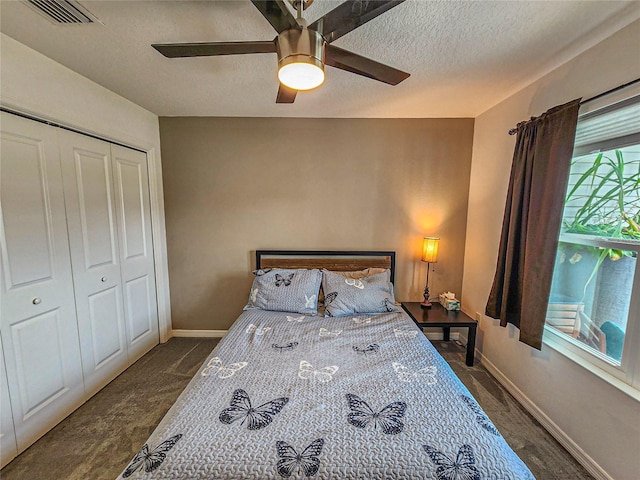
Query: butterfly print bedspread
[(281, 397)]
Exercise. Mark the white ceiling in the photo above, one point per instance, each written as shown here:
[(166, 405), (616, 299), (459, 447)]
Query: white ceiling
[(463, 56)]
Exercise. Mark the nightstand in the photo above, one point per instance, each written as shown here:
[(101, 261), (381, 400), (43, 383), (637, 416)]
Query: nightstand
[(438, 316)]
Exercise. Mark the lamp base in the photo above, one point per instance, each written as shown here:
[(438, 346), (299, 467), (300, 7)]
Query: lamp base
[(425, 302)]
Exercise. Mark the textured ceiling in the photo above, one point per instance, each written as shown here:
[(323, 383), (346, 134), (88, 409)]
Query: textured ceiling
[(463, 56)]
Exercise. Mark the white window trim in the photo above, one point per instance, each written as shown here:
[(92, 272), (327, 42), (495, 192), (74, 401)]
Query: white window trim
[(570, 349), (601, 242), (606, 100)]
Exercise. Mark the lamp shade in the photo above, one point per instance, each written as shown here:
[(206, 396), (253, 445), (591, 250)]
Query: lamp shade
[(430, 249)]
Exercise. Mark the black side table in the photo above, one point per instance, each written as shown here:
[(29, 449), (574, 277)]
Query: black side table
[(438, 316)]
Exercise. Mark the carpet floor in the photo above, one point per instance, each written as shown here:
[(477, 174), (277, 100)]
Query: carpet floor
[(99, 439)]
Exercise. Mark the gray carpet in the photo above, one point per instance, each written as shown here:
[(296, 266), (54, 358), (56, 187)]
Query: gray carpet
[(99, 439), (545, 457)]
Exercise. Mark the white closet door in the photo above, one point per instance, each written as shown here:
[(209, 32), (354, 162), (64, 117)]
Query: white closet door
[(136, 249), (89, 196), (38, 325), (8, 447)]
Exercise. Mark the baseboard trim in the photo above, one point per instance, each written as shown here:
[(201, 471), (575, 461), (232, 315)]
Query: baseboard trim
[(549, 425), (440, 335), (198, 333)]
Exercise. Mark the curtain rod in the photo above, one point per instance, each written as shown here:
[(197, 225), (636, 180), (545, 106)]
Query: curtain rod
[(513, 131)]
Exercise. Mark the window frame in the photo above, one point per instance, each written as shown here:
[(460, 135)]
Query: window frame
[(626, 376), (627, 371)]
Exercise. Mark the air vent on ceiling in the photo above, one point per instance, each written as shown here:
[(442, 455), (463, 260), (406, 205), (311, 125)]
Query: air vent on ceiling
[(62, 11)]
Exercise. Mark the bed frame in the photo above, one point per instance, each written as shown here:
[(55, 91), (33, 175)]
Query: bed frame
[(314, 415), (336, 260)]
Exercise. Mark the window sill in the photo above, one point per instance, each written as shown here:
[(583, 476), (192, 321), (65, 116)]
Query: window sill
[(579, 356), (600, 242)]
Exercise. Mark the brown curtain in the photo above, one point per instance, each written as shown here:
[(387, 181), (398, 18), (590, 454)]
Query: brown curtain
[(531, 223)]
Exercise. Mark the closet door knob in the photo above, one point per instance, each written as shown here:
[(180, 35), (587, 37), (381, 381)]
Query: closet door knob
[(103, 279), (36, 301)]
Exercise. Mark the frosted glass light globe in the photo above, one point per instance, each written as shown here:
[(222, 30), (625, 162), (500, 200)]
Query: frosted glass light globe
[(301, 76)]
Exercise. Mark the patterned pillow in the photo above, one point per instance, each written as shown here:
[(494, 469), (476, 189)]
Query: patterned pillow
[(349, 296), (359, 274), (285, 290)]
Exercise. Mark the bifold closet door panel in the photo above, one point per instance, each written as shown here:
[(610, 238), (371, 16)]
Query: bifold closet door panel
[(136, 249), (38, 326), (8, 446), (93, 236)]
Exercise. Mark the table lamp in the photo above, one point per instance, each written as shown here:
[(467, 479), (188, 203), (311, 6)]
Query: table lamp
[(429, 255)]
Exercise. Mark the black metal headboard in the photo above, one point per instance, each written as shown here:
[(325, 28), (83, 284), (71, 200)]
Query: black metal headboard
[(336, 260)]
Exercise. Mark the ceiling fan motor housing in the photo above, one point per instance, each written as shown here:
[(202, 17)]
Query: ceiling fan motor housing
[(300, 46)]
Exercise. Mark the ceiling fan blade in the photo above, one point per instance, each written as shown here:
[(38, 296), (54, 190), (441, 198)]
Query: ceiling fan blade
[(277, 14), (354, 63), (208, 49), (286, 94), (349, 16)]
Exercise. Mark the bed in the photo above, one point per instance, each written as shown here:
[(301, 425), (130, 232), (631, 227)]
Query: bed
[(289, 394)]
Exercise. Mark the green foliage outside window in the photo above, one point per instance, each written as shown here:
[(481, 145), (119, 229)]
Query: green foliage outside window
[(611, 208)]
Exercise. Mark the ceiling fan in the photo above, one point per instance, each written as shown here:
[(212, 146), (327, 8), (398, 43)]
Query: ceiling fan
[(303, 50)]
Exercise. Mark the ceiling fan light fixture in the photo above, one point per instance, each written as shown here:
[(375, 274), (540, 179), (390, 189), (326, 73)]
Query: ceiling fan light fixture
[(300, 58), (301, 74)]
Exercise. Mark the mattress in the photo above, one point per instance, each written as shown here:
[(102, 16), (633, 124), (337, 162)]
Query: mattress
[(292, 396)]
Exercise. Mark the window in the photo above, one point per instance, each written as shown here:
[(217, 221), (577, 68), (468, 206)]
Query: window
[(594, 306)]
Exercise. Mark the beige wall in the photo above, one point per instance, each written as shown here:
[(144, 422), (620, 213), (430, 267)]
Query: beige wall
[(234, 185), (602, 423)]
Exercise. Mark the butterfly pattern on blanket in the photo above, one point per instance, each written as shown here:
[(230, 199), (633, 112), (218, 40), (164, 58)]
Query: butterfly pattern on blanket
[(362, 320), (215, 367), (324, 374), (405, 332), (481, 417), (426, 374), (323, 399), (256, 417), (327, 333), (291, 461), (371, 348), (389, 419), (150, 460), (285, 347), (257, 330), (463, 467)]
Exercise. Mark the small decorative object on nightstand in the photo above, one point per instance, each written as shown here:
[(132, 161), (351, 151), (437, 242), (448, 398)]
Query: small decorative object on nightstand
[(429, 255), (438, 316)]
